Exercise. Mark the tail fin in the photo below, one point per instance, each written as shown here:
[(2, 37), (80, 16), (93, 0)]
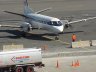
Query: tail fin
[(27, 10)]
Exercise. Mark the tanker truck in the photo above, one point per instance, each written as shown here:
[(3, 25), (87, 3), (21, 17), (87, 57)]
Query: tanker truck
[(20, 60)]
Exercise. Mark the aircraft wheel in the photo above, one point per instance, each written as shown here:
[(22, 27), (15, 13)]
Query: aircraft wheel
[(23, 34), (56, 38)]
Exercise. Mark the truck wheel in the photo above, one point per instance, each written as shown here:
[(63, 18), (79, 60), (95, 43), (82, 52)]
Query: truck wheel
[(1, 70), (19, 69), (29, 69)]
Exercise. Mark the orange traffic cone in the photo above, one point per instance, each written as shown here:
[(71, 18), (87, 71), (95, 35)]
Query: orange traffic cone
[(72, 64), (57, 64), (75, 65), (78, 63)]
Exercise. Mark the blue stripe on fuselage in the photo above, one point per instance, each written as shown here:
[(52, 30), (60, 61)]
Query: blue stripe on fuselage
[(42, 19)]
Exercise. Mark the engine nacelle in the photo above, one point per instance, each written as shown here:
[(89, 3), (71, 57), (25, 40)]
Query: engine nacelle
[(25, 27)]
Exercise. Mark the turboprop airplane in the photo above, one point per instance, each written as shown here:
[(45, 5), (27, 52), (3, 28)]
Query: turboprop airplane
[(35, 20)]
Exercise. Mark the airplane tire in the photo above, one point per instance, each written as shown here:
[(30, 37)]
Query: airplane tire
[(56, 38), (23, 34)]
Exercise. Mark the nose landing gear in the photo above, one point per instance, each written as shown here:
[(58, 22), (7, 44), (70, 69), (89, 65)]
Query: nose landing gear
[(57, 37)]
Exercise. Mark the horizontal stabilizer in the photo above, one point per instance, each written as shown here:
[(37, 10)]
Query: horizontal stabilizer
[(11, 26)]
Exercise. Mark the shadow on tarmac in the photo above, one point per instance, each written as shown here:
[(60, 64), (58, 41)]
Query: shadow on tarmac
[(18, 34), (72, 32)]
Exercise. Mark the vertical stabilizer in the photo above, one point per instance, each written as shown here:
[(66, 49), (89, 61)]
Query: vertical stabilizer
[(27, 10)]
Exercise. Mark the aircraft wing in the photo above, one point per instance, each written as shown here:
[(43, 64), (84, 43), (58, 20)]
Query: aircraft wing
[(11, 26), (90, 18), (22, 15), (42, 10)]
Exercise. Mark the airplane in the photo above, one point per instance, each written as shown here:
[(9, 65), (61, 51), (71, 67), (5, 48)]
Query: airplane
[(35, 20)]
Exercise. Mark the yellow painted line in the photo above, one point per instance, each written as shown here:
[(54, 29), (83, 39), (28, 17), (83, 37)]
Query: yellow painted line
[(56, 40), (62, 42), (48, 37)]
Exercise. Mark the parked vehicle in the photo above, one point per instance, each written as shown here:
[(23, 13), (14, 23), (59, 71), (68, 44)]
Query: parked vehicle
[(20, 60)]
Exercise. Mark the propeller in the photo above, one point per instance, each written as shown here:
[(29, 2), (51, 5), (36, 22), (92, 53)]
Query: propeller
[(68, 18), (67, 26)]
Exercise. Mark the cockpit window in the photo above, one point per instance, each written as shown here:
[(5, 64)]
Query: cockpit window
[(54, 23), (59, 23)]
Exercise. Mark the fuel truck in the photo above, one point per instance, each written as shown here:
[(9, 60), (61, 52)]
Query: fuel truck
[(20, 60)]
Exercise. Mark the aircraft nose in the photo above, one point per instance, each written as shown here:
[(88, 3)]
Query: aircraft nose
[(58, 29), (61, 28)]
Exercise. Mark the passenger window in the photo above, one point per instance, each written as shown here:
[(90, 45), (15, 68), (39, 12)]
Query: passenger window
[(49, 23)]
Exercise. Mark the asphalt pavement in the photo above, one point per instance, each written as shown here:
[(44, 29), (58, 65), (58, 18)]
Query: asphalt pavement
[(77, 9)]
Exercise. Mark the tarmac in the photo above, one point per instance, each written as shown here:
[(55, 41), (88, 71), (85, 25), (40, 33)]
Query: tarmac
[(60, 8), (63, 9), (67, 64)]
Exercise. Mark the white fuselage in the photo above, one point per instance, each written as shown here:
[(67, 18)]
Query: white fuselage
[(51, 24)]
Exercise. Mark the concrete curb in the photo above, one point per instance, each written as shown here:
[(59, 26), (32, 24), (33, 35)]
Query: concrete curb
[(68, 54)]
